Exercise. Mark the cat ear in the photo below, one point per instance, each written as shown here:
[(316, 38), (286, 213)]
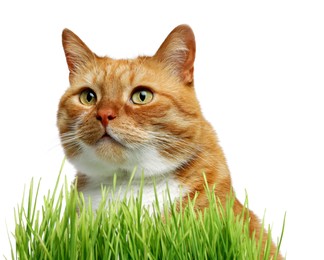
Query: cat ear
[(178, 51), (76, 51)]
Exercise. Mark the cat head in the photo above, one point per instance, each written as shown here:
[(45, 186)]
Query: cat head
[(118, 114)]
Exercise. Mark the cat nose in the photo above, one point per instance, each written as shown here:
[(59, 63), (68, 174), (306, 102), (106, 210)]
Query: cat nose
[(105, 115)]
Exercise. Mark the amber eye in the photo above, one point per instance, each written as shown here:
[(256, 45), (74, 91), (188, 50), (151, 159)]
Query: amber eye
[(88, 97), (142, 97)]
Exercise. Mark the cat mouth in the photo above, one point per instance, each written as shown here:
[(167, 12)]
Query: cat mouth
[(105, 136), (108, 138)]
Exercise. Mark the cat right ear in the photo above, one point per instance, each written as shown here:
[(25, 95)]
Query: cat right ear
[(76, 51), (178, 51)]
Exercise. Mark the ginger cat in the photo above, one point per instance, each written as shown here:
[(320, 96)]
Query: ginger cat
[(118, 114)]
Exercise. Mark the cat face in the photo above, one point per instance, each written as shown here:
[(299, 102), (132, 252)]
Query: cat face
[(118, 114)]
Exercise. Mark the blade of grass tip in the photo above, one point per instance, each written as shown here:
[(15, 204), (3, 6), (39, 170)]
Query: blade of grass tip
[(11, 247), (268, 244), (113, 191), (34, 224), (156, 204), (30, 198), (259, 243), (18, 223), (246, 205), (206, 183), (180, 202), (129, 185), (58, 180), (267, 247), (281, 236), (22, 203), (35, 201), (140, 193), (68, 194), (132, 177), (31, 208), (171, 204), (19, 232), (62, 166)]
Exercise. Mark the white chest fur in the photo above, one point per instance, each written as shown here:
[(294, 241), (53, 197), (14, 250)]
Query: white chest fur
[(162, 188)]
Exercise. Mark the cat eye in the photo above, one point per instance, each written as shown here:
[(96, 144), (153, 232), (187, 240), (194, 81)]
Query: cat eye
[(142, 97), (88, 97)]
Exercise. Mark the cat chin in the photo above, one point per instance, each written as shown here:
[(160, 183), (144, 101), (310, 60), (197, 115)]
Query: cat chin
[(105, 160)]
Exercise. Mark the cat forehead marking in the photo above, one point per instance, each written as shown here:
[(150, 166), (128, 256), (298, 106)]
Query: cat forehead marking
[(118, 72)]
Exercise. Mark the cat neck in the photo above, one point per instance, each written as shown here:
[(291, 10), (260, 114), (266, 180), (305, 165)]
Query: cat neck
[(121, 185)]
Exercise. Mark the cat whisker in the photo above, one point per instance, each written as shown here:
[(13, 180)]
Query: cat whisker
[(177, 144)]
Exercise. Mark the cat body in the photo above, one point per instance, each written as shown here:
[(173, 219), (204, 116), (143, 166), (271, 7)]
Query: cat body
[(143, 113)]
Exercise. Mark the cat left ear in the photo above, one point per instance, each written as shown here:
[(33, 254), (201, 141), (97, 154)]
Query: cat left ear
[(178, 51), (76, 51)]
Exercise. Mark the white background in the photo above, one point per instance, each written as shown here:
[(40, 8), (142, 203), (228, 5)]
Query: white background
[(259, 76)]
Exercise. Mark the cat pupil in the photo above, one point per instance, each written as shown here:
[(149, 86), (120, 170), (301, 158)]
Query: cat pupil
[(90, 96), (142, 95)]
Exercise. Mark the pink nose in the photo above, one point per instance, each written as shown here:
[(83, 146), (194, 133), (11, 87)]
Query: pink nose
[(105, 115)]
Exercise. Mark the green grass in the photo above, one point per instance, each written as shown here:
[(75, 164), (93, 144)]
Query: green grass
[(67, 228)]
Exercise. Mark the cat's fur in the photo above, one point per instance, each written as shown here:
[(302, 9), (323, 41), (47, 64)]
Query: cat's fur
[(168, 138)]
